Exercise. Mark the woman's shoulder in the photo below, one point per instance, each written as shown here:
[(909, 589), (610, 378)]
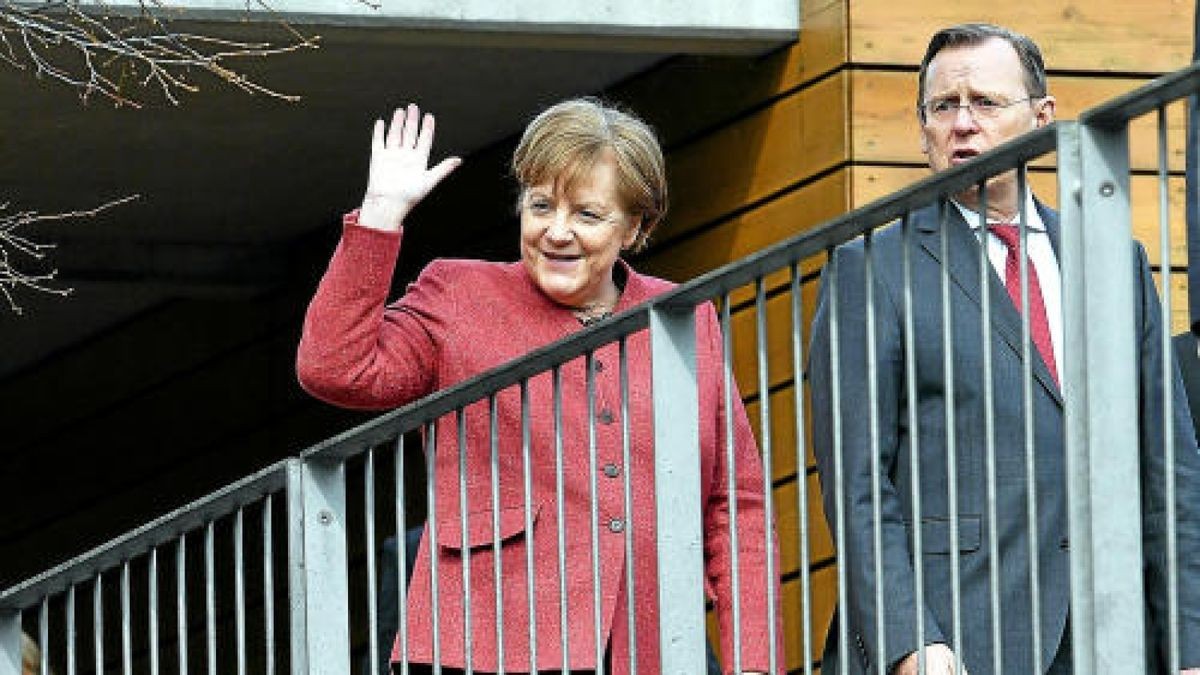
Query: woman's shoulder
[(459, 270), (645, 286)]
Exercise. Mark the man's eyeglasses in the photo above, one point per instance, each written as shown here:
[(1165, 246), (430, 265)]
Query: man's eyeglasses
[(945, 109)]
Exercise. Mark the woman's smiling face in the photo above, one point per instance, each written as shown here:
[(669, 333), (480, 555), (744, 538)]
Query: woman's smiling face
[(570, 239)]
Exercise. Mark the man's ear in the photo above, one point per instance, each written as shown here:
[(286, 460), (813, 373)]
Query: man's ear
[(1045, 112)]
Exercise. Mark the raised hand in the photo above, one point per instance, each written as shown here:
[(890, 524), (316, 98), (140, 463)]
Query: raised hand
[(400, 176)]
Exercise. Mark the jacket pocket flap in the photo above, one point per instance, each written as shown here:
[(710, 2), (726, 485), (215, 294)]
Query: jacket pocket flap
[(480, 528), (935, 534)]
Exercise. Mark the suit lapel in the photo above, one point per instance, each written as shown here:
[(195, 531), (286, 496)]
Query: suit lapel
[(963, 265)]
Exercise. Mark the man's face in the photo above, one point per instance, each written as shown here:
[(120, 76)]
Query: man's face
[(988, 74)]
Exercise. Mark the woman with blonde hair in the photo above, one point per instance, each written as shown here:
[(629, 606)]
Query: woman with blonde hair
[(592, 187)]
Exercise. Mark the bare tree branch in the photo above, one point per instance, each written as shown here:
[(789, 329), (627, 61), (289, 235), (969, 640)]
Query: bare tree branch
[(124, 57), (15, 245)]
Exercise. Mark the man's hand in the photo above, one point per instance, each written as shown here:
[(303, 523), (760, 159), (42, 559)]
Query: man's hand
[(1190, 671), (939, 660), (400, 175)]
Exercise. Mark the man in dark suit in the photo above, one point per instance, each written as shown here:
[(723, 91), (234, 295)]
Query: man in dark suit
[(979, 86)]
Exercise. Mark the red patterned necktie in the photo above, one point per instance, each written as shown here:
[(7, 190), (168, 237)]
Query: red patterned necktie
[(1039, 324)]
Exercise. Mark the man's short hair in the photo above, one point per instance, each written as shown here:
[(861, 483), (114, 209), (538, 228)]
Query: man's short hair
[(971, 34)]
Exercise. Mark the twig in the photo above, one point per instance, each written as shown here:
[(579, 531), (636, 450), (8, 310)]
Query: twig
[(14, 244), (110, 55)]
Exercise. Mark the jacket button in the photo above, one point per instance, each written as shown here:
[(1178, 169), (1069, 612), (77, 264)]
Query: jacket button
[(616, 525), (1064, 544), (612, 470), (606, 416)]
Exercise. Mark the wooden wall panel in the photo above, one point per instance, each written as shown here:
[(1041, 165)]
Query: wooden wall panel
[(1180, 320), (792, 605), (742, 235), (820, 543), (1135, 36), (783, 431), (761, 154), (884, 124)]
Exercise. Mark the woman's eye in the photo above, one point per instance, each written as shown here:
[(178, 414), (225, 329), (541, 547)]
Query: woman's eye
[(590, 217), (539, 207)]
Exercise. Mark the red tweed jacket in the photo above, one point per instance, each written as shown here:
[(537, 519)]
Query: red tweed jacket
[(461, 318)]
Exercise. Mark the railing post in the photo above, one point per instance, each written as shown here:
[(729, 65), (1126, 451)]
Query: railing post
[(677, 491), (10, 642), (317, 571), (1101, 394)]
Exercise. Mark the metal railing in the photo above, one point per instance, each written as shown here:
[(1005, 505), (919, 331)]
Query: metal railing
[(179, 594)]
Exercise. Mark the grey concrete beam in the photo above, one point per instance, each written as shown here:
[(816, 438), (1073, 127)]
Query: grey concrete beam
[(746, 26)]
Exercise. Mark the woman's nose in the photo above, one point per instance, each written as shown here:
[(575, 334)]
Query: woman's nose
[(560, 227)]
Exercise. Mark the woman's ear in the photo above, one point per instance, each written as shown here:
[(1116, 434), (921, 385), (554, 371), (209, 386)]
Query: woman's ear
[(633, 233)]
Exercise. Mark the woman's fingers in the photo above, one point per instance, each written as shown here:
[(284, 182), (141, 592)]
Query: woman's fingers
[(425, 138), (443, 169), (395, 129), (377, 136), (412, 117)]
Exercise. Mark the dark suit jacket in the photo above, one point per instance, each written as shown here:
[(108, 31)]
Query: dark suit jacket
[(1189, 365), (925, 420)]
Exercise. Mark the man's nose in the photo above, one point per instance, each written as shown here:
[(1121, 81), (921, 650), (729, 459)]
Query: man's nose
[(964, 118)]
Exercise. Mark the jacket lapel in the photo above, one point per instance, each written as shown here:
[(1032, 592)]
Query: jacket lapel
[(963, 251)]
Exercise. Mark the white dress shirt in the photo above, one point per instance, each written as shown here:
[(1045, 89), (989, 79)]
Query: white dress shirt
[(1041, 252)]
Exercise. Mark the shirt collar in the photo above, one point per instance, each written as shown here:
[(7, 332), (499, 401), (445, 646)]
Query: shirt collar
[(1033, 218)]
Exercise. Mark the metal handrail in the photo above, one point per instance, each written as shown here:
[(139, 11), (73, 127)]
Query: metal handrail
[(164, 529)]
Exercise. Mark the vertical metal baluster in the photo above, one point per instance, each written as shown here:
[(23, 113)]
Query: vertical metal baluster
[(372, 583), (1168, 403), (806, 634), (764, 409), (527, 487), (401, 555), (914, 435), (989, 430), (181, 602), (44, 636), (268, 586), (460, 416), (71, 636), (98, 621), (627, 503), (951, 440), (593, 506), (152, 607), (126, 630), (239, 589), (873, 426), (839, 481), (910, 359), (497, 568), (210, 599), (1035, 600), (731, 479), (560, 513), (11, 642), (431, 520)]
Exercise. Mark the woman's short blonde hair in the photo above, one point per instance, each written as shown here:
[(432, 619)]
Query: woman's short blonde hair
[(565, 141)]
